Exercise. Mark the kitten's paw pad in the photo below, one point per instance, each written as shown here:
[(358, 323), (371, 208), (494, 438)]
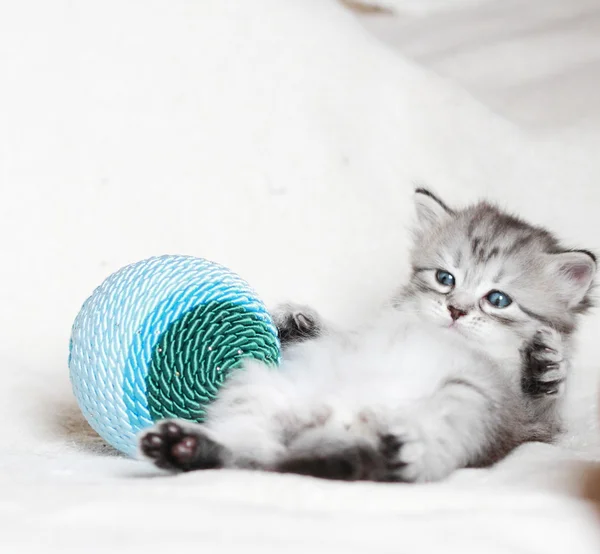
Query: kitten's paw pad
[(171, 445), (296, 323), (546, 368)]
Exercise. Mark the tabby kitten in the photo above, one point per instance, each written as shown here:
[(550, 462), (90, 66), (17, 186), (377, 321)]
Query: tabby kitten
[(467, 362)]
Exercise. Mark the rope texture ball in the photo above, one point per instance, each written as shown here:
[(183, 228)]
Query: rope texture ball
[(158, 339)]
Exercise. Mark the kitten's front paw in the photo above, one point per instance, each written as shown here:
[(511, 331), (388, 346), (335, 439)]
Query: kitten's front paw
[(296, 323), (179, 446), (413, 457), (545, 368)]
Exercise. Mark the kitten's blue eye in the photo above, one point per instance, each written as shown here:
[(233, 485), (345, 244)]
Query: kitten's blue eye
[(444, 278), (498, 299)]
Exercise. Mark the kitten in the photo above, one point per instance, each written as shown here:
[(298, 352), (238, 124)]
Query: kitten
[(467, 362), (486, 245), (489, 252)]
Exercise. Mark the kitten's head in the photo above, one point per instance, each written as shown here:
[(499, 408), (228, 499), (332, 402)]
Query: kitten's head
[(492, 277)]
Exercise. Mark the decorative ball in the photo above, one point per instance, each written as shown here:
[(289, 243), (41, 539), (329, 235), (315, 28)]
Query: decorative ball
[(158, 338)]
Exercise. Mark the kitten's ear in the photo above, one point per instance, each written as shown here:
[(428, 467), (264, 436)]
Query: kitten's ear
[(575, 272), (431, 211)]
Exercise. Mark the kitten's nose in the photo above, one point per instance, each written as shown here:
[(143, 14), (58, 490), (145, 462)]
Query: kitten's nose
[(455, 313)]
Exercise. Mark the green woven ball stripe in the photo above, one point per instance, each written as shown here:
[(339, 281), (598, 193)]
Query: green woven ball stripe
[(196, 353)]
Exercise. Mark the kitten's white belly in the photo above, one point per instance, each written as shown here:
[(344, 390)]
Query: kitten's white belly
[(396, 362)]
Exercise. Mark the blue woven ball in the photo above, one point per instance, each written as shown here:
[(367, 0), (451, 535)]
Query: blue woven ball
[(158, 338)]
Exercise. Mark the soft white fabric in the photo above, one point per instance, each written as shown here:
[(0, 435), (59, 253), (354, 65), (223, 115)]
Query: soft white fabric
[(279, 138), (536, 62)]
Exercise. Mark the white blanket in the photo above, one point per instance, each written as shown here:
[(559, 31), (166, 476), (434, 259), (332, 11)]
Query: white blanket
[(279, 138)]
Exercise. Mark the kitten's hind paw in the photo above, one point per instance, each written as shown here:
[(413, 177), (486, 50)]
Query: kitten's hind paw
[(413, 456), (296, 323), (180, 446), (545, 367)]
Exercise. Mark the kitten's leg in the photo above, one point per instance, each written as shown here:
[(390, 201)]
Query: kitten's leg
[(545, 366), (235, 442), (296, 323), (336, 453), (247, 426), (465, 424)]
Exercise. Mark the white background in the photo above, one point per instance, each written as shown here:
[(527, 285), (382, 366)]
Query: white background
[(282, 138)]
